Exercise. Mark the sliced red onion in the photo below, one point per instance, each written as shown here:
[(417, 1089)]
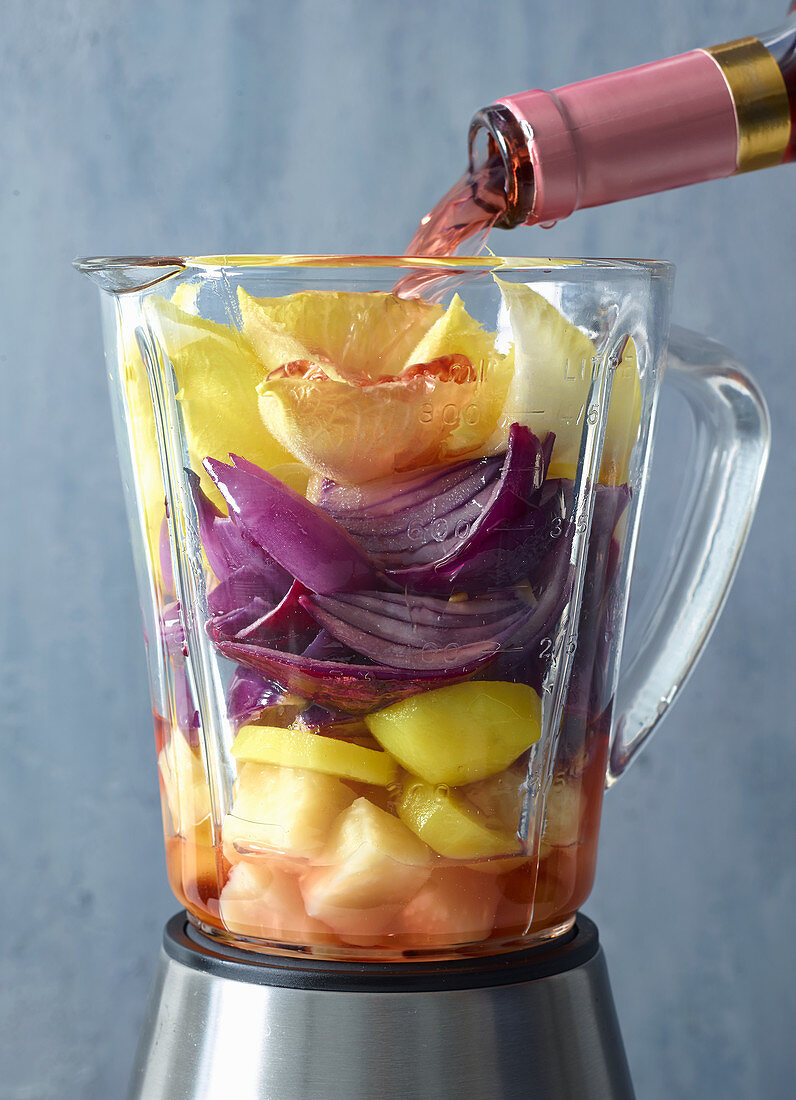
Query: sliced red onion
[(384, 496), (250, 467), (228, 548), (301, 537), (171, 629), (186, 714), (506, 555), (185, 709), (231, 623), (245, 585), (510, 508), (587, 693), (325, 647), (528, 658), (440, 518), (416, 518), (407, 631), (553, 586), (287, 624), (331, 723), (248, 694), (350, 688)]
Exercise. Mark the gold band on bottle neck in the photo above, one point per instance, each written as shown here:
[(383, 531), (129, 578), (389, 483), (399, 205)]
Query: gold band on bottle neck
[(761, 103)]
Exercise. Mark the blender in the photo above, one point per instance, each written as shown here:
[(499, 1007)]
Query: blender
[(384, 544)]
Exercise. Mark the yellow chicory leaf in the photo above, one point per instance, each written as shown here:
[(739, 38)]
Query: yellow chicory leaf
[(141, 418), (142, 435), (217, 374), (185, 297), (457, 333), (554, 362)]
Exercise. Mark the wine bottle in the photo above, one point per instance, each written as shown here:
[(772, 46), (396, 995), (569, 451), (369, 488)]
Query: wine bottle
[(701, 115)]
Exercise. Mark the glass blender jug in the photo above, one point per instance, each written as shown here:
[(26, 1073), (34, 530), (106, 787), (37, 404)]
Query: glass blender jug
[(384, 545)]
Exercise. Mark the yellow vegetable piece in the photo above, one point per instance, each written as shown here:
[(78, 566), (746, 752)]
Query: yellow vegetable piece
[(260, 899), (217, 374), (297, 748), (400, 380), (185, 783), (461, 733), (563, 809), (287, 810), (452, 828), (549, 392), (501, 796), (370, 859)]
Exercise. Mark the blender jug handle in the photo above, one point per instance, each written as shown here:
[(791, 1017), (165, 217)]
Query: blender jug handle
[(731, 450)]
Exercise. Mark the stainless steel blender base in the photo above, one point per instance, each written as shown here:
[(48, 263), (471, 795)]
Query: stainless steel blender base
[(232, 1025)]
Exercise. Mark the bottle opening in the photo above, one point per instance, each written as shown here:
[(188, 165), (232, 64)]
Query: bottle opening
[(500, 166)]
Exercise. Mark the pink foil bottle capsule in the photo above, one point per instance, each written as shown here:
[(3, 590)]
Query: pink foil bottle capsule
[(698, 116)]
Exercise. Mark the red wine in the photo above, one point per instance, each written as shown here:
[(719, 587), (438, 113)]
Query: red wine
[(465, 214)]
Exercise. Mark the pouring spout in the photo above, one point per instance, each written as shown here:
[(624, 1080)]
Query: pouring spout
[(125, 274)]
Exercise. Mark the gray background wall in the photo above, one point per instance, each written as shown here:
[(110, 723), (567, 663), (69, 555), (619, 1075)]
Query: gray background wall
[(204, 127)]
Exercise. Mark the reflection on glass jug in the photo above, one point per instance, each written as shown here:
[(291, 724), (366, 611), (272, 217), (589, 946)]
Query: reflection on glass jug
[(384, 548)]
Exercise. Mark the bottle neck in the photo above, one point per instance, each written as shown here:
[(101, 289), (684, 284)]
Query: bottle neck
[(497, 137), (698, 116)]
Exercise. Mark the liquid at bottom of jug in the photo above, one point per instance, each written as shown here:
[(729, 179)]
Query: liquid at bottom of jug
[(272, 902)]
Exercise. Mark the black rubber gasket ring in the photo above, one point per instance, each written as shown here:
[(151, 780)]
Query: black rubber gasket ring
[(185, 944)]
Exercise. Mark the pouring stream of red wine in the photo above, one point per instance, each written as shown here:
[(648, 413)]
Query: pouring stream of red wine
[(458, 225), (460, 222)]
